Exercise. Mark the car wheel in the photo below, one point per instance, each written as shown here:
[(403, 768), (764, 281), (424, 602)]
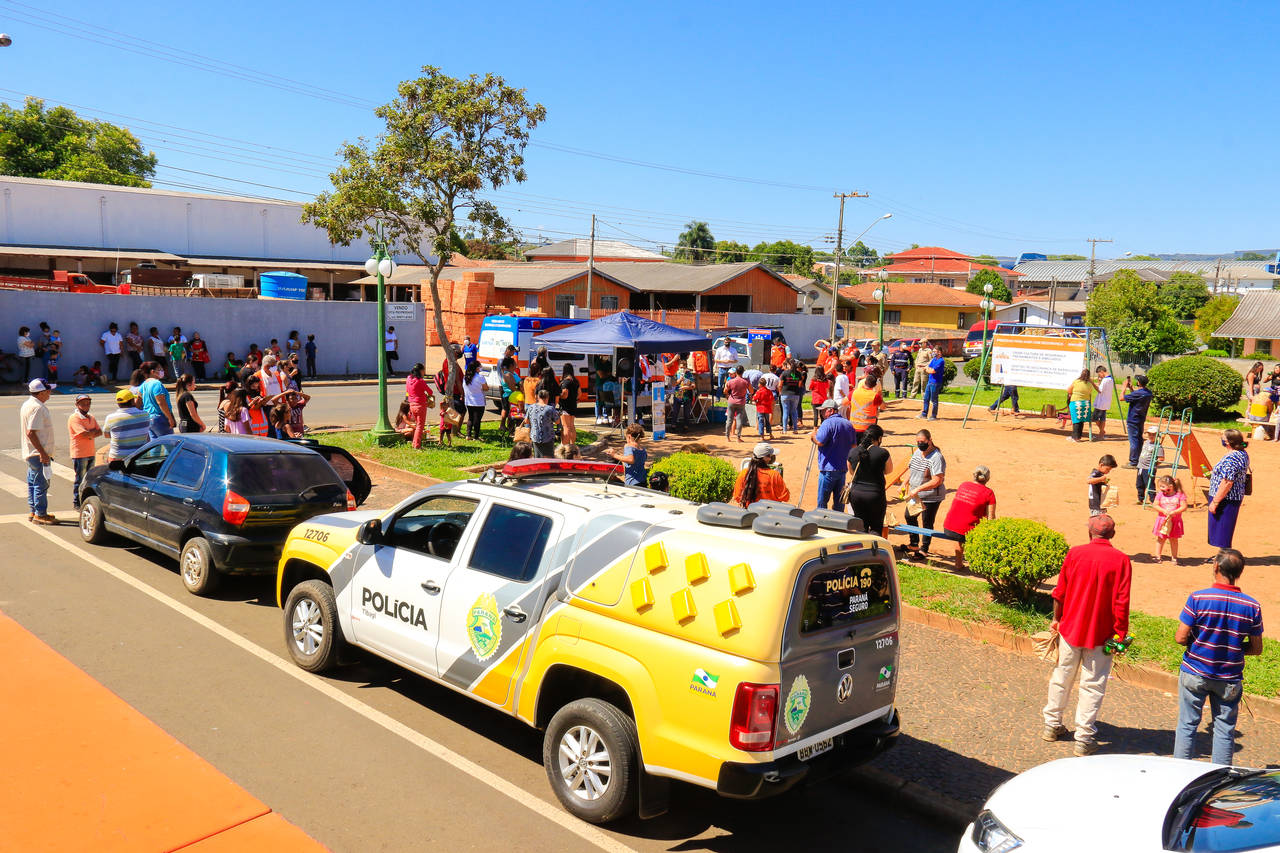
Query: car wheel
[(91, 527), (195, 565), (311, 629), (592, 757)]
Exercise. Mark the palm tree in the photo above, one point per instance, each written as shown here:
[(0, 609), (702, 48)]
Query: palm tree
[(696, 244)]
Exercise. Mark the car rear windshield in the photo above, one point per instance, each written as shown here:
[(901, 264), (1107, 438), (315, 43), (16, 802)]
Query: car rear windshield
[(256, 475), (846, 594)]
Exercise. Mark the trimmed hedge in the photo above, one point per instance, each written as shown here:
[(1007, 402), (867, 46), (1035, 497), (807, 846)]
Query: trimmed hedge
[(971, 369), (1216, 353), (949, 371), (1014, 555), (1206, 386), (697, 477)]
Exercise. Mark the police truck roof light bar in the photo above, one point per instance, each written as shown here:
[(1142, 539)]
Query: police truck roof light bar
[(542, 467)]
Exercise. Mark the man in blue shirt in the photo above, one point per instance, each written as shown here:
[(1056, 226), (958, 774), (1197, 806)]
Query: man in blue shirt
[(470, 352), (1219, 626), (155, 400), (835, 437), (932, 388), (1139, 400)]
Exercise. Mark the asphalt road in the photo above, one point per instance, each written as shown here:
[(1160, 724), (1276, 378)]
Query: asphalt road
[(372, 758)]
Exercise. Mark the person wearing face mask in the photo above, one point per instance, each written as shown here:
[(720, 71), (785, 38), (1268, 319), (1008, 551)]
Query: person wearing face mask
[(925, 489)]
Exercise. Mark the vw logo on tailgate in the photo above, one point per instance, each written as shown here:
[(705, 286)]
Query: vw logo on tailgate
[(845, 689)]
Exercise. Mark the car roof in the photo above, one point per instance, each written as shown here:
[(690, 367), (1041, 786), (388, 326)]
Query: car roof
[(241, 443)]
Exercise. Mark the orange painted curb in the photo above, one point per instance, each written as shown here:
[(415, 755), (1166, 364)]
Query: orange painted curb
[(86, 771)]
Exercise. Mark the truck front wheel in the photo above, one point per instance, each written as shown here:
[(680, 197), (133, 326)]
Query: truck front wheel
[(311, 628), (592, 757)]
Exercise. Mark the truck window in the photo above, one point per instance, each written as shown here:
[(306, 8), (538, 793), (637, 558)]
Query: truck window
[(845, 595), (433, 526), (511, 543)]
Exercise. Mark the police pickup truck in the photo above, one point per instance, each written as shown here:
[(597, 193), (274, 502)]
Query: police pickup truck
[(650, 638)]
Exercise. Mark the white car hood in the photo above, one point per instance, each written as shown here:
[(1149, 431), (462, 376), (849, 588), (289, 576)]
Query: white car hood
[(1099, 803)]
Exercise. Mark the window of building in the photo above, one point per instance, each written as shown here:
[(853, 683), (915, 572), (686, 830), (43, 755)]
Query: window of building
[(919, 281), (962, 320), (1263, 346), (893, 317), (815, 310), (1022, 314), (947, 282), (531, 301), (564, 305), (609, 303)]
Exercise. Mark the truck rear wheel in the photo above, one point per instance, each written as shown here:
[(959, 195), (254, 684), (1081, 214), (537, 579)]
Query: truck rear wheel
[(592, 757)]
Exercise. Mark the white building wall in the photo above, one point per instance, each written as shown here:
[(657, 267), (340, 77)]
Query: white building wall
[(59, 213)]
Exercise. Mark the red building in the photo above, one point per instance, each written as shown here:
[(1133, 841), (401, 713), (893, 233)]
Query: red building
[(935, 265)]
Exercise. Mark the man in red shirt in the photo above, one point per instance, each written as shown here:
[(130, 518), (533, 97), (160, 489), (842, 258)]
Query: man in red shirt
[(1090, 606)]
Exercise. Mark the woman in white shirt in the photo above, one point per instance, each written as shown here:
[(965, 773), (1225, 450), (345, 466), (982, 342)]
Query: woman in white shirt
[(26, 351), (473, 385)]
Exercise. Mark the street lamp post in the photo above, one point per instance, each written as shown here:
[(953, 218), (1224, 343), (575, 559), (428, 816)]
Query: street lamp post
[(986, 305), (835, 288), (881, 292), (382, 266)]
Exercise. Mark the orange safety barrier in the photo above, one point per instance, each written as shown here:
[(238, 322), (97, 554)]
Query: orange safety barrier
[(88, 772)]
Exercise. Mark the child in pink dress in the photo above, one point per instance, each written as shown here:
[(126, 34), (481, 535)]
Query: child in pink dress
[(1170, 502)]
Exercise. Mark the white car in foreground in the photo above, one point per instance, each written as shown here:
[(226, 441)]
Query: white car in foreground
[(1130, 804)]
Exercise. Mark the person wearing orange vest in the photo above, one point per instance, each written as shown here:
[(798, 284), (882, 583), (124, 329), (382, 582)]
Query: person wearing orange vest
[(866, 402), (850, 355), (700, 363), (780, 354), (670, 367), (274, 381)]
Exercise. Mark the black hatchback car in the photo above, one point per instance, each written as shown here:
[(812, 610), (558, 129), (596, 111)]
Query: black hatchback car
[(218, 503)]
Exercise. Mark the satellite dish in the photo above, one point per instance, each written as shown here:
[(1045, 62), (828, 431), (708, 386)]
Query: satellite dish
[(811, 294)]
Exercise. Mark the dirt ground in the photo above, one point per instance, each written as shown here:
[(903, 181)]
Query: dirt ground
[(1037, 474)]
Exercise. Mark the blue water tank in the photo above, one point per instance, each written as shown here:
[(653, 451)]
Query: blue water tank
[(282, 285)]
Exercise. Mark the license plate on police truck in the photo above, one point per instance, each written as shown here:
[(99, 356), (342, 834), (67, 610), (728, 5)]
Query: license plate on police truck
[(804, 753)]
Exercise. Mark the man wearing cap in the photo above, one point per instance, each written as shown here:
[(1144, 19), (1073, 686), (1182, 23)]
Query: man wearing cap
[(1090, 607), (834, 437), (1148, 461), (82, 428), (128, 427), (35, 432)]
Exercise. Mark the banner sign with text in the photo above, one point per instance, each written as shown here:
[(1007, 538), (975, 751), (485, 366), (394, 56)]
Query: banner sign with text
[(1037, 361)]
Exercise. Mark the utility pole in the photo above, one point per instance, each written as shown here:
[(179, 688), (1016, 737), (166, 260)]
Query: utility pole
[(591, 263), (1093, 250), (835, 287)]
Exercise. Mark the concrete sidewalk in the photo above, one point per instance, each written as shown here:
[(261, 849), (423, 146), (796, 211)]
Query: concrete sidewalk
[(971, 718)]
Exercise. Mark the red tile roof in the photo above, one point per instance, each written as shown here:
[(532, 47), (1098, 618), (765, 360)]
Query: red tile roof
[(938, 266), (928, 252), (905, 293)]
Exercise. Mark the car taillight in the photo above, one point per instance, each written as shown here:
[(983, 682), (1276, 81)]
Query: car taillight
[(755, 709), (235, 509), (351, 501)]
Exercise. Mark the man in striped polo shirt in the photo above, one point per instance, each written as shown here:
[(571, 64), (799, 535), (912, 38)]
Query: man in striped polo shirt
[(128, 427), (1220, 625)]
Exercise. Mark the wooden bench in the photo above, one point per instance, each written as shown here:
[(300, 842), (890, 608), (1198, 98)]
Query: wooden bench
[(1267, 425)]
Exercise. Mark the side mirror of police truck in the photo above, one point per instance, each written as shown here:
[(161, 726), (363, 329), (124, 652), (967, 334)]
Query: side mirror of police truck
[(370, 532)]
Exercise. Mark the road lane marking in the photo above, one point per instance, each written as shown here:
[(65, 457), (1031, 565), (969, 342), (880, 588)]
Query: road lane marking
[(59, 470), (543, 808), (14, 486)]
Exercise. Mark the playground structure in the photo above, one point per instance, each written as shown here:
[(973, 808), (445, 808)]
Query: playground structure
[(1187, 453), (1097, 351)]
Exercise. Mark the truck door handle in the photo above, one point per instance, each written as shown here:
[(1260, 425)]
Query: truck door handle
[(189, 501), (431, 587), (515, 614)]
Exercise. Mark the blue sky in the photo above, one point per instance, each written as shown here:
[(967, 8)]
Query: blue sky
[(1003, 127)]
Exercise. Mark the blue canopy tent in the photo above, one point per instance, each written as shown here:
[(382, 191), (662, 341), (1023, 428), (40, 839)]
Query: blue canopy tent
[(624, 329)]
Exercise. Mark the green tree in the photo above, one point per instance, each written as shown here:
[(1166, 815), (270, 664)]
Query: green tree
[(59, 145), (861, 254), (1216, 311), (1138, 324), (1253, 256), (1184, 294), (446, 141), (1144, 258), (1067, 258), (730, 252), (696, 243), (999, 290), (786, 255)]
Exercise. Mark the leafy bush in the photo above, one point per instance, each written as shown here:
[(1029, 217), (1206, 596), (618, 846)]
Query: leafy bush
[(697, 477), (1259, 356), (1014, 555), (1215, 353), (1206, 386), (971, 369)]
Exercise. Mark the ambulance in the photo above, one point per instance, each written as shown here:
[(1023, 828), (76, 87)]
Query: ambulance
[(652, 640), (498, 332)]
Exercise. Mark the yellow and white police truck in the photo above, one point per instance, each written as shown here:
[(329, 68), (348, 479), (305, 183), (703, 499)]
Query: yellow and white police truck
[(650, 638)]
